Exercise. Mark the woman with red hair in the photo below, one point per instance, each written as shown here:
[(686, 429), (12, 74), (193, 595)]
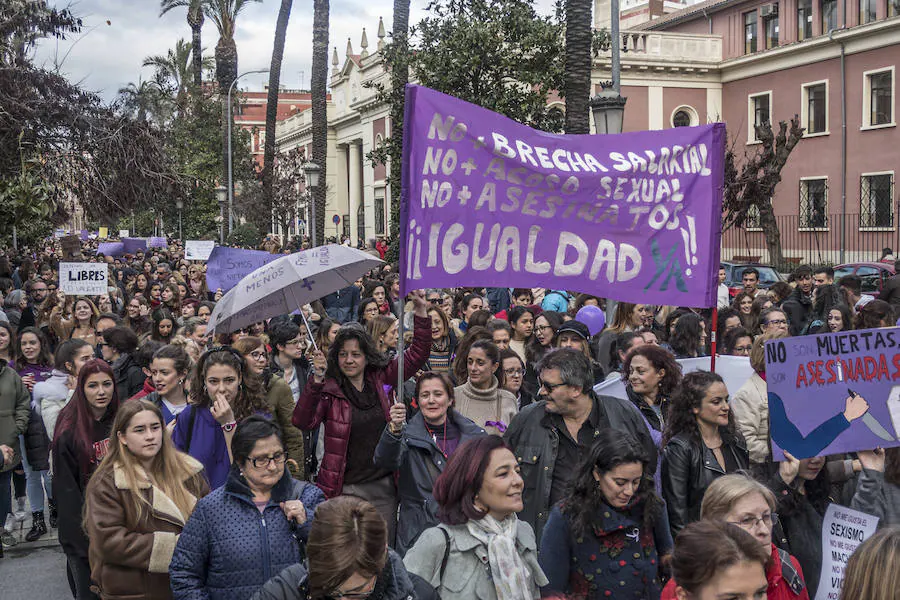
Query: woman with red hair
[(80, 442)]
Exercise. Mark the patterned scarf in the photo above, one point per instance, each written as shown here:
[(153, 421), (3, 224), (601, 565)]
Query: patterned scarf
[(511, 575)]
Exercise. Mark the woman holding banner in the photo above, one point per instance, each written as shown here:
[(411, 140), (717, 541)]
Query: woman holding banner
[(348, 395)]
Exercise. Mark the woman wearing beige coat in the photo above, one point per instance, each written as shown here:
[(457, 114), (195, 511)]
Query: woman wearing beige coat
[(750, 405)]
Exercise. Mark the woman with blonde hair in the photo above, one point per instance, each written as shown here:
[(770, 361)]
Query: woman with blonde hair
[(137, 503), (741, 500), (385, 331), (873, 571)]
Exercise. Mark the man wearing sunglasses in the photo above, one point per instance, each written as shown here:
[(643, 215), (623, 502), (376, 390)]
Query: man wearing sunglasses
[(549, 437)]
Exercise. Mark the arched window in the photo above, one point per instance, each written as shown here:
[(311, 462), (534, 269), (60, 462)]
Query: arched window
[(685, 116)]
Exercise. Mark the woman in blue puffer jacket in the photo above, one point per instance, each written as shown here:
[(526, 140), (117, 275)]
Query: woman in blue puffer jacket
[(249, 530)]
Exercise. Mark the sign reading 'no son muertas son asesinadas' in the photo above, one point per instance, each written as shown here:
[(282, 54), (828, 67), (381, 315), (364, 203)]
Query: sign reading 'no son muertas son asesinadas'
[(488, 201), (834, 392)]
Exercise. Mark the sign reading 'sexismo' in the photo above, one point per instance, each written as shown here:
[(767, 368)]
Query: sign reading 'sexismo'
[(83, 279), (488, 201)]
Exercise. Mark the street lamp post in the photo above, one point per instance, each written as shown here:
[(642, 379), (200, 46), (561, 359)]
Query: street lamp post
[(230, 176), (608, 107), (179, 204), (312, 171), (222, 199)]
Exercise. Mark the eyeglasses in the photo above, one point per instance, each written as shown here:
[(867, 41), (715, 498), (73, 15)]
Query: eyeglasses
[(777, 322), (742, 349), (514, 372), (434, 300), (258, 354), (355, 595), (263, 462), (750, 522), (550, 386), (543, 328)]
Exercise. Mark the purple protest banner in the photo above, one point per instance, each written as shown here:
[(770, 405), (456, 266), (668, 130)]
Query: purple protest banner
[(132, 245), (111, 248), (84, 235), (227, 266), (157, 242), (488, 201), (833, 392)]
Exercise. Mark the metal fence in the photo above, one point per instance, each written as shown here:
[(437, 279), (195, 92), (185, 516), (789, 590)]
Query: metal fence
[(818, 240)]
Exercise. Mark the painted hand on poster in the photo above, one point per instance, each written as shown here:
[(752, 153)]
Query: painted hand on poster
[(848, 378), (791, 440), (488, 201)]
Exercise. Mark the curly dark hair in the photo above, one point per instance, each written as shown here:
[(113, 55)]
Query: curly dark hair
[(374, 358), (687, 397), (584, 500), (251, 396), (685, 340), (875, 314), (660, 358)]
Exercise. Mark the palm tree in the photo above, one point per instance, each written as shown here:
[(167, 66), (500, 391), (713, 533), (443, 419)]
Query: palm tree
[(577, 81), (175, 68), (318, 85), (141, 100), (284, 15), (224, 14), (195, 22), (399, 79)]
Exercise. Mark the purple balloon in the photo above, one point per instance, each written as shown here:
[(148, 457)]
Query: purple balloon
[(593, 317)]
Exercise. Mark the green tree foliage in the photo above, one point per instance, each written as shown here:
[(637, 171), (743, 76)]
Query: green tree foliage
[(499, 54), (53, 131)]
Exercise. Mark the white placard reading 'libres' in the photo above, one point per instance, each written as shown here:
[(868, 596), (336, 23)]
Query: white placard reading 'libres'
[(83, 279)]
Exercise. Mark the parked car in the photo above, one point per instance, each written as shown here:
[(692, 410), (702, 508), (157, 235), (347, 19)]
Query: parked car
[(872, 274), (735, 271)]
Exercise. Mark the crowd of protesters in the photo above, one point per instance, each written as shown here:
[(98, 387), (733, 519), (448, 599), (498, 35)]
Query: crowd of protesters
[(277, 461)]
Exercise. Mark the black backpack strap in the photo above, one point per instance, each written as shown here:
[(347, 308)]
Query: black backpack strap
[(190, 431), (446, 552)]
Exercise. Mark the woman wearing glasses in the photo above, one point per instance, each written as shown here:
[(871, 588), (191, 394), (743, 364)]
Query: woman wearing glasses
[(513, 377), (420, 452), (278, 397), (251, 528), (743, 501)]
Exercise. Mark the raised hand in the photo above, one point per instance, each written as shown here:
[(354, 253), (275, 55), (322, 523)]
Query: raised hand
[(398, 417), (221, 409), (789, 468), (872, 459)]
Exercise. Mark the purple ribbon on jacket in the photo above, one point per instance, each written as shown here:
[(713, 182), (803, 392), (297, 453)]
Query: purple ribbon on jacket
[(500, 425)]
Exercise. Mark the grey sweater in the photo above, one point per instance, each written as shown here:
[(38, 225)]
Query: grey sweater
[(877, 497)]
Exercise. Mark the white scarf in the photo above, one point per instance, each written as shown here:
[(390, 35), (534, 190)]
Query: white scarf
[(508, 570)]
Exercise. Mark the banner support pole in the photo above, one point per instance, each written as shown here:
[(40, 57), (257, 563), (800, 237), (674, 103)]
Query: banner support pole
[(713, 326)]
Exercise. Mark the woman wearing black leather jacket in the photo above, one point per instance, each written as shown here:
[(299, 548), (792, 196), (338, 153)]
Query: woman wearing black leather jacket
[(700, 444)]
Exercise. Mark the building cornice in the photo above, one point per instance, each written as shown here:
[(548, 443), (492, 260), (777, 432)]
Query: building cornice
[(862, 38)]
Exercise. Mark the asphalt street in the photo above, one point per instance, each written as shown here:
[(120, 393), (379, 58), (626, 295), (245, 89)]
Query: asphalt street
[(34, 574)]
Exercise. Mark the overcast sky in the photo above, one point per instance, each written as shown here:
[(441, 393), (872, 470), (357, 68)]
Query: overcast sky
[(118, 34)]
